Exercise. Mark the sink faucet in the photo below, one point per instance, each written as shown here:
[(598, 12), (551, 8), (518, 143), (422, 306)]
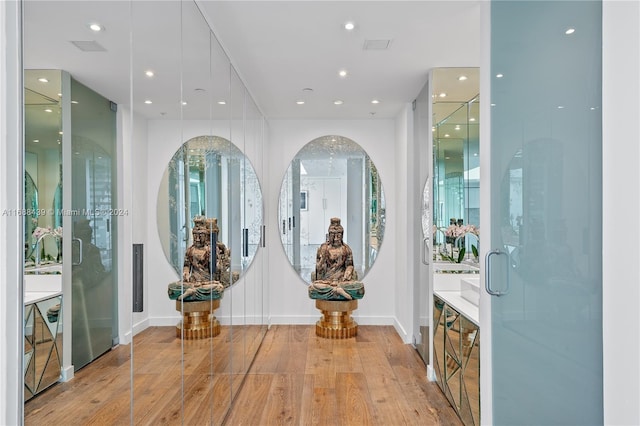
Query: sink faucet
[(57, 233), (444, 240)]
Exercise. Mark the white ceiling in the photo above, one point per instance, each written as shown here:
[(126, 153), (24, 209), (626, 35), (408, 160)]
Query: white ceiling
[(278, 48)]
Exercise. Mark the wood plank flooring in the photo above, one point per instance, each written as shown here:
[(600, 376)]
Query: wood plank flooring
[(297, 378)]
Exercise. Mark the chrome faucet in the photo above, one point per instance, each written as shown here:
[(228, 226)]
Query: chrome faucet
[(444, 240), (38, 241)]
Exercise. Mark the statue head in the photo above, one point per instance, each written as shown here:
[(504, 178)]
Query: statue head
[(336, 231), (203, 227)]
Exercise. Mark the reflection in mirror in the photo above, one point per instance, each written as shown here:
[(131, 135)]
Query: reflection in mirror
[(331, 176), (456, 164), (43, 153), (195, 183)]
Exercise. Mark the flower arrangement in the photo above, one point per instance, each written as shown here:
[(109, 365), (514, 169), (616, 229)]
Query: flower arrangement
[(39, 233), (455, 231)]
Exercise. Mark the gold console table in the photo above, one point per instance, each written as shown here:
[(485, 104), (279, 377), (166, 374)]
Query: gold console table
[(336, 321), (198, 321)]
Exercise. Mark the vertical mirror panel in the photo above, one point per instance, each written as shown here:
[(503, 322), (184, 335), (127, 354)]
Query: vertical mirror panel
[(252, 232), (237, 312), (198, 328), (456, 164), (155, 95), (71, 265)]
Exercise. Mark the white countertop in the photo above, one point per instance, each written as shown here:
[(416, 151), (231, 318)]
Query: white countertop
[(463, 306), (38, 296)]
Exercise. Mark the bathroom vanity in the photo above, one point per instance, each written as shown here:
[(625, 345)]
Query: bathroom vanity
[(456, 338), (42, 332)]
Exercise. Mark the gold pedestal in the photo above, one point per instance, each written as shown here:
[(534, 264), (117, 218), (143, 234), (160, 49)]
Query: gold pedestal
[(336, 321), (198, 321)]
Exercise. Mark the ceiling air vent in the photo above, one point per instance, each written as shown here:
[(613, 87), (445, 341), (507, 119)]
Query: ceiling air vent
[(89, 46), (376, 44)]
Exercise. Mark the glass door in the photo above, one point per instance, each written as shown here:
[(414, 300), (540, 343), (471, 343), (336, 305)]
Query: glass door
[(543, 265), (93, 228)]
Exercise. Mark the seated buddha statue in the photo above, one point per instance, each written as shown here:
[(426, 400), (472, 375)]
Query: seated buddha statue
[(205, 274), (335, 277)]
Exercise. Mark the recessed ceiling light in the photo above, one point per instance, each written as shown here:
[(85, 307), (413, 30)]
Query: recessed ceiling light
[(59, 133), (433, 129), (338, 102), (349, 26), (375, 101), (457, 127), (184, 102), (149, 73), (592, 108), (222, 102), (570, 31), (472, 119), (475, 154), (560, 107), (493, 104), (59, 95), (74, 102), (48, 110), (148, 102), (96, 27), (462, 78), (446, 135), (43, 80), (442, 95), (300, 102), (36, 140), (499, 75), (342, 73)]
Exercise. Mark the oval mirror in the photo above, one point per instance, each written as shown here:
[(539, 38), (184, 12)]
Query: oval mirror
[(209, 176), (331, 176)]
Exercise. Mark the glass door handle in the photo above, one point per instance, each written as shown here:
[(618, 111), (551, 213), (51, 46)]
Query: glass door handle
[(79, 252), (487, 276), (425, 252)]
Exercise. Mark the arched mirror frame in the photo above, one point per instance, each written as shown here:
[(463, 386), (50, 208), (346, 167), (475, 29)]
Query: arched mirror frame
[(331, 176)]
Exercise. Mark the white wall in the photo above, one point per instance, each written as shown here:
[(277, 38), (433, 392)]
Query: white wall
[(406, 208), (289, 301), (621, 203)]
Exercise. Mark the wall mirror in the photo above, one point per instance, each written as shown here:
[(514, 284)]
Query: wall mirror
[(456, 159), (331, 176), (209, 176), (43, 159)]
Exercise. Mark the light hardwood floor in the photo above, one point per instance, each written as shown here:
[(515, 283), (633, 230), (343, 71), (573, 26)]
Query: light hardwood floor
[(297, 378)]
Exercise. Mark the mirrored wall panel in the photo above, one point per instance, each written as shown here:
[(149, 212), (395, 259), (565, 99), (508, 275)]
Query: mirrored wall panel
[(331, 176), (456, 163)]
